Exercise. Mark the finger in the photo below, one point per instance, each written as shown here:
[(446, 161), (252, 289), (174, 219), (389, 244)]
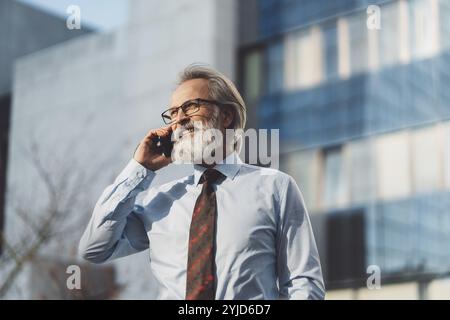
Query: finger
[(162, 132), (151, 133), (156, 132)]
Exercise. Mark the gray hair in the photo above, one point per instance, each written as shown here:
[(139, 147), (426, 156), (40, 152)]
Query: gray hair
[(220, 89)]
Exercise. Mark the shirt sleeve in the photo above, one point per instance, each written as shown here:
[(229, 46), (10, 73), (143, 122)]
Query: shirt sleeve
[(115, 228), (298, 264)]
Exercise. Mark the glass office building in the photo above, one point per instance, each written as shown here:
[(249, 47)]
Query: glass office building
[(361, 97)]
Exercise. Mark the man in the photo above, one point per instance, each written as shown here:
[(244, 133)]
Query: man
[(228, 231)]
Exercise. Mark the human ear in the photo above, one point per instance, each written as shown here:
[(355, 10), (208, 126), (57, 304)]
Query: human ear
[(227, 115)]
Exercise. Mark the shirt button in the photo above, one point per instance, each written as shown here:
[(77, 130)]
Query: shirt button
[(139, 175)]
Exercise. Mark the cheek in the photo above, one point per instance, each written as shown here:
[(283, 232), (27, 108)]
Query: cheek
[(201, 115), (198, 118)]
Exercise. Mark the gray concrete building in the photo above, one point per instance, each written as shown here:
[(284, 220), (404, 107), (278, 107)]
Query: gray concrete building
[(79, 110), (23, 30)]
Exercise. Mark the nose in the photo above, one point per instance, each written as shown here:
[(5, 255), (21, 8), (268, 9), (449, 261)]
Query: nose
[(180, 119)]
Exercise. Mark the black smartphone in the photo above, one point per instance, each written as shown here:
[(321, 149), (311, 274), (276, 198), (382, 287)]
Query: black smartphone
[(164, 145)]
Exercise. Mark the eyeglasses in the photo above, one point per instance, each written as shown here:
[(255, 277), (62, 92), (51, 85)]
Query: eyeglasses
[(189, 108)]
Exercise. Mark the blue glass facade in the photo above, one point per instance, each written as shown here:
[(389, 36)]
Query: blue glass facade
[(393, 98), (408, 236), (279, 16)]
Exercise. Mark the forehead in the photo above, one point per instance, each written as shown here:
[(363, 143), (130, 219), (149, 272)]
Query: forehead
[(191, 89)]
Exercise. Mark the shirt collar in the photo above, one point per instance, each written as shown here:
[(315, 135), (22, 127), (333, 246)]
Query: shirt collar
[(228, 167)]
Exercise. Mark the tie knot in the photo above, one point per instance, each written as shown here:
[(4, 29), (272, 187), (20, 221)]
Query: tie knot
[(210, 175)]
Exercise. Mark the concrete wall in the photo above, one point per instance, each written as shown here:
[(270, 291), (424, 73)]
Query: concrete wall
[(24, 30), (94, 98)]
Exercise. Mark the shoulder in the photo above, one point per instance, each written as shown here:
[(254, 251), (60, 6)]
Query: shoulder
[(266, 176), (174, 183), (278, 185), (265, 172)]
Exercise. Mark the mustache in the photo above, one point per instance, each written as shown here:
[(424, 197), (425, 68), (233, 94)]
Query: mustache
[(194, 125), (189, 126)]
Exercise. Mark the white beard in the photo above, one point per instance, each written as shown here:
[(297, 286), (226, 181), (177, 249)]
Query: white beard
[(196, 146)]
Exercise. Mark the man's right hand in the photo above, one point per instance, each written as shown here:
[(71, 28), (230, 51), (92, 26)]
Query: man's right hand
[(146, 153)]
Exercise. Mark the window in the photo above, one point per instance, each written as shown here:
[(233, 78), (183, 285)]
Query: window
[(5, 108), (404, 50), (335, 182), (411, 234), (390, 34), (275, 67), (447, 154), (252, 75), (444, 26), (427, 159), (346, 248), (393, 166), (362, 171), (331, 50), (304, 63), (343, 48), (303, 167), (424, 28), (358, 37), (373, 48)]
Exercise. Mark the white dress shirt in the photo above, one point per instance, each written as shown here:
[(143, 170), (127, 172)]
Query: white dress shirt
[(265, 247)]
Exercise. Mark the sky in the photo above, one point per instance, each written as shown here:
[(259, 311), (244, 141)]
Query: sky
[(102, 14)]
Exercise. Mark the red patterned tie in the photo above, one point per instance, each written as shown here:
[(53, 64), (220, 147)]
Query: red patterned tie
[(200, 279)]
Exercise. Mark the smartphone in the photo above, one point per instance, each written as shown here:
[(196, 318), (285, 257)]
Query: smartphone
[(164, 145)]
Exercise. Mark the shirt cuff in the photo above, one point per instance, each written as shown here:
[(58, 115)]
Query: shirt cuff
[(135, 174)]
